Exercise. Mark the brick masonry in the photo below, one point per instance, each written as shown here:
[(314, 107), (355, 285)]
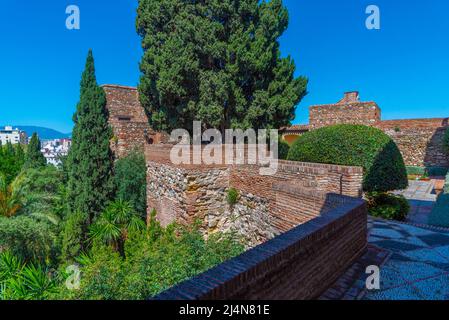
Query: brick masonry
[(299, 264), (268, 205), (128, 120), (349, 110), (420, 140)]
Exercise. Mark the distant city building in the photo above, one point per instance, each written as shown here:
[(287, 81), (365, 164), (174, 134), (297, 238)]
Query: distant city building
[(15, 136), (53, 150)]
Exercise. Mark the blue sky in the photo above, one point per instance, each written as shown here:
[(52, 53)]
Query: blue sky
[(404, 67)]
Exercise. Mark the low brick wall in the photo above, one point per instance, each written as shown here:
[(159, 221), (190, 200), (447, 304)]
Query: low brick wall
[(299, 264)]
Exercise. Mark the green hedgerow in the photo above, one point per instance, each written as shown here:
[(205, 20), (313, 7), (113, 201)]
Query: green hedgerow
[(355, 145)]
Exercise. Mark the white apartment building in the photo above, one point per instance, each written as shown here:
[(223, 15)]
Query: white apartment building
[(15, 136)]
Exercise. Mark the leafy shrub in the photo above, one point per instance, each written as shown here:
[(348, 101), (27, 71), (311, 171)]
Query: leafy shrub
[(44, 193), (155, 259), (11, 198), (388, 206), (232, 196), (23, 281), (28, 239), (73, 235), (355, 145), (115, 223), (283, 149), (12, 159), (130, 181)]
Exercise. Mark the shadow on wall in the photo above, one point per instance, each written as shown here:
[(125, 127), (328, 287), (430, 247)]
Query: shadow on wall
[(435, 156)]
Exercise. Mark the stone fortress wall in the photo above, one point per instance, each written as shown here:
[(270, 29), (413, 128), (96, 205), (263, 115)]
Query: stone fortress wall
[(267, 205), (420, 140)]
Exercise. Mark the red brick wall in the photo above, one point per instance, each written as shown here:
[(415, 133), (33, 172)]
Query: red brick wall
[(366, 113), (127, 118), (297, 265)]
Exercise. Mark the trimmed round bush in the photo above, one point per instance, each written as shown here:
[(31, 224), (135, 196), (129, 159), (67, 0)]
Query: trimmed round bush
[(387, 206), (355, 145)]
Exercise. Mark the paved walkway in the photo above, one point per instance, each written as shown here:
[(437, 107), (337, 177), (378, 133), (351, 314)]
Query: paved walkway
[(421, 196), (418, 265), (419, 190)]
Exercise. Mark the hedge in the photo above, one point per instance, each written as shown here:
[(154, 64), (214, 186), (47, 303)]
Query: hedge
[(355, 145)]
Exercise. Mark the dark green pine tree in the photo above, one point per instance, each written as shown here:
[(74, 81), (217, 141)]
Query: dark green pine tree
[(34, 157), (90, 160), (20, 155), (217, 61)]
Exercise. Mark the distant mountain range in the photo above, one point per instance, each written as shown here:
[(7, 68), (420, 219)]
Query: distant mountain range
[(43, 133)]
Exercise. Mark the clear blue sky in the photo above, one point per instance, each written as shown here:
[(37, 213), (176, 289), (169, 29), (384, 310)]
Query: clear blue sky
[(404, 67)]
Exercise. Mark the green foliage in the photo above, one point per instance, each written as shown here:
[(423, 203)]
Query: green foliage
[(446, 140), (388, 206), (156, 259), (21, 281), (355, 145), (12, 159), (232, 196), (283, 150), (90, 160), (34, 157), (28, 239), (44, 194), (130, 181), (218, 62), (115, 223), (11, 198), (74, 235)]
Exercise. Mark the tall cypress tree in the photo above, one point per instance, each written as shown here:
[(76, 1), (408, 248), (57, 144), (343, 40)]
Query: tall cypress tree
[(217, 61), (34, 157), (90, 160)]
